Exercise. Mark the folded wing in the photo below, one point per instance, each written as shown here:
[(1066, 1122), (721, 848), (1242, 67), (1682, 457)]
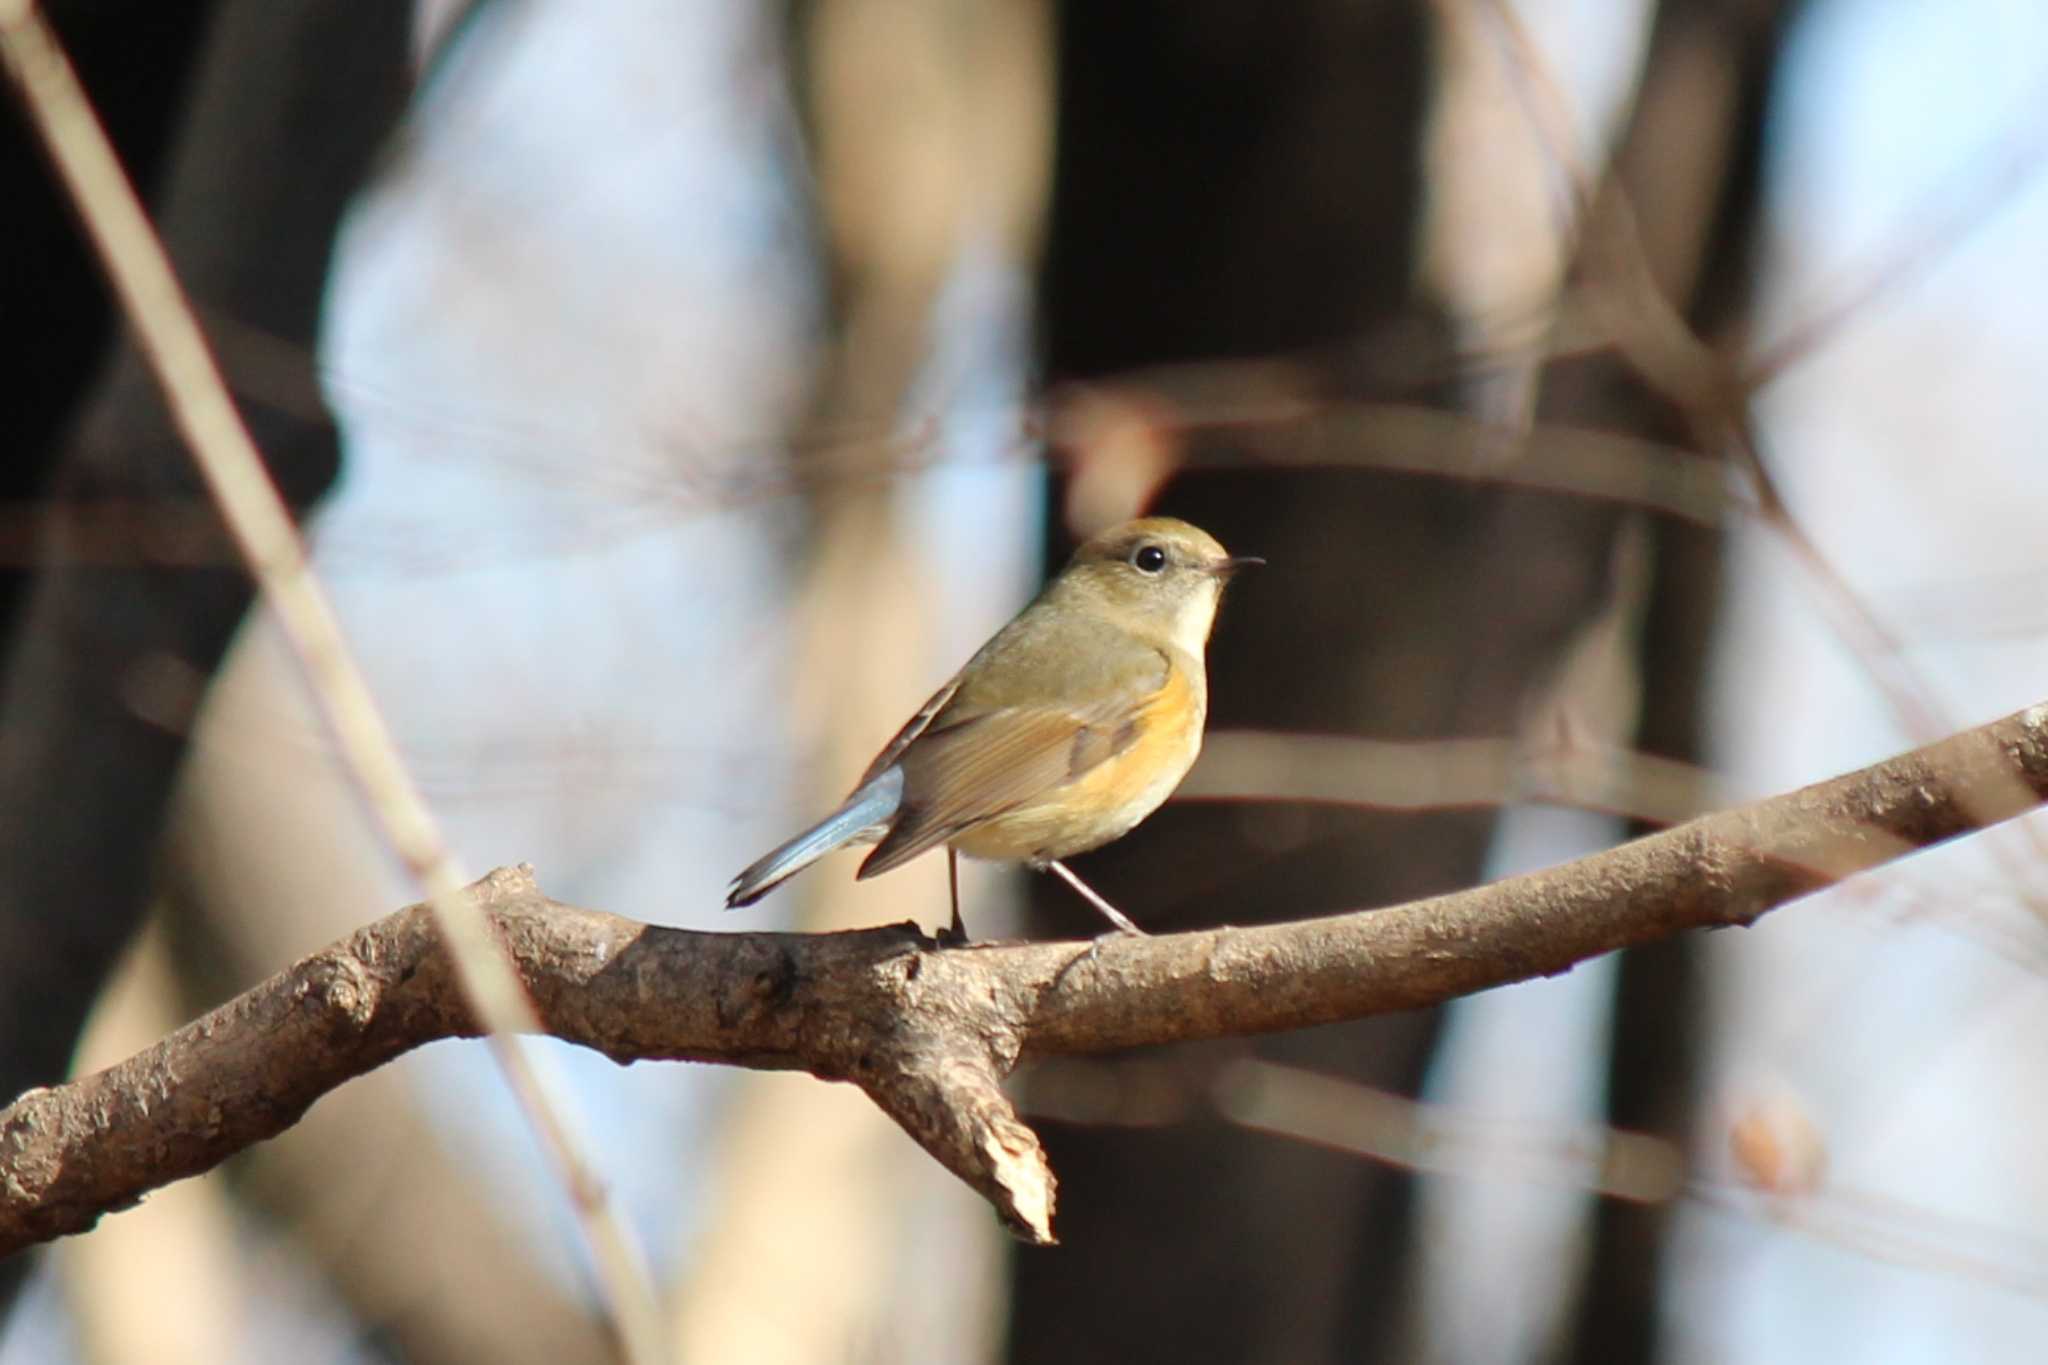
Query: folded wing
[(972, 768)]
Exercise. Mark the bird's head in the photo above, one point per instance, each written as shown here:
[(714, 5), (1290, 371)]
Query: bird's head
[(1158, 575)]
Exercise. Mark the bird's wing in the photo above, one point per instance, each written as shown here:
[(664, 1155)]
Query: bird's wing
[(979, 765), (1097, 657), (912, 728)]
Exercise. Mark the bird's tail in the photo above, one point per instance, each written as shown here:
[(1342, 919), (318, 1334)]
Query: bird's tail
[(864, 816)]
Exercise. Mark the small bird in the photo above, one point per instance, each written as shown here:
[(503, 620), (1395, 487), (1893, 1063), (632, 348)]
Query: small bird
[(1071, 725)]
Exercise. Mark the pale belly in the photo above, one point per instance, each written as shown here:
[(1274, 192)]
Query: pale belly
[(1103, 804)]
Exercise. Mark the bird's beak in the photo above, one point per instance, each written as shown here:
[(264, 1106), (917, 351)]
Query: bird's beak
[(1227, 568)]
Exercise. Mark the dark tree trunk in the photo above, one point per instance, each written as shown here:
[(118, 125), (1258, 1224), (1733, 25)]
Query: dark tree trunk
[(1701, 245), (288, 104), (136, 62), (1242, 181)]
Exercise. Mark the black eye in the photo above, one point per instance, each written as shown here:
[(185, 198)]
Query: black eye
[(1148, 559)]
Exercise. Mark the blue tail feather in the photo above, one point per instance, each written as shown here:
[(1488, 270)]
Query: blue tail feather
[(866, 813)]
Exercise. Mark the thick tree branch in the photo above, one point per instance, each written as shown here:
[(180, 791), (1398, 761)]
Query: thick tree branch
[(929, 1033)]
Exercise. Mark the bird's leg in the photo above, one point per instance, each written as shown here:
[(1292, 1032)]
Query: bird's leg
[(955, 936), (1089, 894)]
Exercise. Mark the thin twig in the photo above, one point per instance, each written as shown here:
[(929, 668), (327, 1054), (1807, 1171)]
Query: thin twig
[(1335, 1112), (1988, 183), (1714, 394), (170, 337)]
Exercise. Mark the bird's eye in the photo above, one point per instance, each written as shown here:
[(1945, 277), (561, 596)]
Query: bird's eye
[(1148, 559)]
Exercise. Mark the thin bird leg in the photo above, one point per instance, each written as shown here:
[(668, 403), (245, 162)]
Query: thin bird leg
[(1089, 894), (956, 935)]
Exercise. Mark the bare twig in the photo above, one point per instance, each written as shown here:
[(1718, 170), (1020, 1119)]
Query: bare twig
[(1713, 391), (1615, 1163), (1986, 183), (930, 1033), (1420, 1135), (169, 336)]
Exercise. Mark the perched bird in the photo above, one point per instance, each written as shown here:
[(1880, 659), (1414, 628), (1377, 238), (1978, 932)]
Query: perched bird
[(1071, 725)]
